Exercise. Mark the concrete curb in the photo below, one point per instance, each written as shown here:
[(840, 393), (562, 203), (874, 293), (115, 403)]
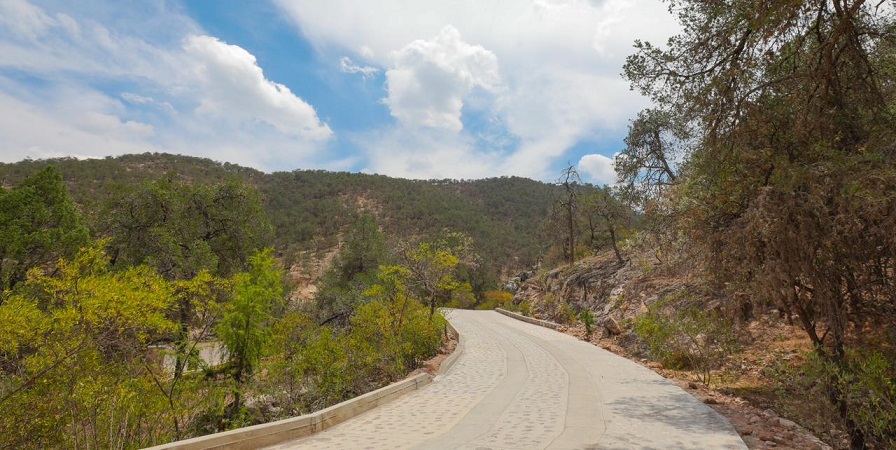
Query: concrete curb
[(297, 427), (452, 358), (532, 320), (273, 433)]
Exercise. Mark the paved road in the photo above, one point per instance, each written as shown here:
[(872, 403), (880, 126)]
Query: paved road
[(520, 386)]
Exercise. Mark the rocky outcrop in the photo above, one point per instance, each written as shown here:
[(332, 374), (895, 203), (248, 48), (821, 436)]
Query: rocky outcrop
[(613, 292)]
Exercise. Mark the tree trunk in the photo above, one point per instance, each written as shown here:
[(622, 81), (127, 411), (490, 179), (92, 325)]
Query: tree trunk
[(572, 234), (616, 247)]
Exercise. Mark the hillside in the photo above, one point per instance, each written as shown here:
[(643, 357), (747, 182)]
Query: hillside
[(308, 209)]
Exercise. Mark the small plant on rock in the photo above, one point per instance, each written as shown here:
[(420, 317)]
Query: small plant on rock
[(587, 319)]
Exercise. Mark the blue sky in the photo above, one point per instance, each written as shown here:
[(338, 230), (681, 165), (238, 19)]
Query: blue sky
[(424, 89)]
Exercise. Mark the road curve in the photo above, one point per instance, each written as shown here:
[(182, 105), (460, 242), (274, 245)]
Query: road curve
[(520, 386)]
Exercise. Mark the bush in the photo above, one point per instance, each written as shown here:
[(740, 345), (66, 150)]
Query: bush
[(495, 299), (868, 382), (587, 319), (686, 337)]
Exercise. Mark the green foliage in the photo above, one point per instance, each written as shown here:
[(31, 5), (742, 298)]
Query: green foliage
[(245, 327), (431, 271), (685, 336), (868, 384), (73, 357), (310, 368), (557, 309), (308, 209), (524, 308), (587, 319), (789, 191), (387, 337), (182, 229), (39, 224), (354, 270)]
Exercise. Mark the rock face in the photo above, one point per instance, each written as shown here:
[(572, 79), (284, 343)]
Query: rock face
[(613, 292), (593, 283)]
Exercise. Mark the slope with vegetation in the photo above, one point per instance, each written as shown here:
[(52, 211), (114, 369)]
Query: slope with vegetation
[(308, 209), (101, 328), (764, 186)]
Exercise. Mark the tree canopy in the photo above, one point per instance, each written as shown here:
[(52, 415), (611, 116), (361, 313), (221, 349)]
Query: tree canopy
[(39, 223), (789, 188)]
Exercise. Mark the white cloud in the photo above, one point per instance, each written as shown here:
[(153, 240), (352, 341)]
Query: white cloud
[(233, 86), (31, 131), (348, 66), (175, 89), (598, 168), (24, 19), (138, 99), (429, 80), (560, 61), (426, 154)]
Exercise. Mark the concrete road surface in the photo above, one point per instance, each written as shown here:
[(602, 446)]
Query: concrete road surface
[(521, 386)]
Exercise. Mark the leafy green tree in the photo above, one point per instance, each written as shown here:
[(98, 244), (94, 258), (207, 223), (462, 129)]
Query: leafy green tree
[(182, 229), (198, 304), (193, 234), (39, 223), (246, 324), (355, 269), (392, 334)]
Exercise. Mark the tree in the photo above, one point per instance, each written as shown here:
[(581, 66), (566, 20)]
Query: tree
[(605, 213), (393, 333), (647, 164), (182, 229), (355, 269), (568, 206), (431, 269), (245, 327), (789, 190), (197, 235), (39, 224), (73, 353)]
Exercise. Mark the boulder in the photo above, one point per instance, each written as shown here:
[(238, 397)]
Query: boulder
[(612, 326)]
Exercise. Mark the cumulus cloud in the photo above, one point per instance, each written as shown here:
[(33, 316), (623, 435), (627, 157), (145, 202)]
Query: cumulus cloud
[(560, 60), (233, 86), (598, 168), (173, 89), (429, 79)]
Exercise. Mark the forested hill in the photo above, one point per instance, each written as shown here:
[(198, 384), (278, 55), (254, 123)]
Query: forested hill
[(308, 209)]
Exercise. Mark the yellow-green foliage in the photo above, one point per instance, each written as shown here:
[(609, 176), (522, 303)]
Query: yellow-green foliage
[(387, 337), (73, 351), (394, 331), (495, 299)]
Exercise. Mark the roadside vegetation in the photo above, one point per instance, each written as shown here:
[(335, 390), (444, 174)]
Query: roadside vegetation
[(761, 184), (101, 335)]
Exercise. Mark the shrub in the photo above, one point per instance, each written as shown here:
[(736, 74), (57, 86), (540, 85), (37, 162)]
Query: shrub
[(587, 319), (686, 337), (495, 299)]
